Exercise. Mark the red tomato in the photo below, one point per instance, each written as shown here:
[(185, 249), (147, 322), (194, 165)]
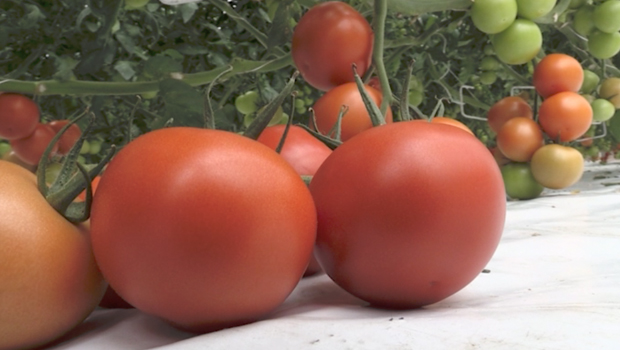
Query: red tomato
[(507, 108), (19, 116), (304, 152), (557, 72), (356, 120), (49, 279), (31, 148), (69, 138), (218, 239), (328, 39), (403, 220), (519, 138), (451, 121), (565, 116)]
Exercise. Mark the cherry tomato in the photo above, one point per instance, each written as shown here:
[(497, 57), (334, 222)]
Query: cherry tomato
[(582, 20), (304, 152), (556, 166), (519, 138), (219, 239), (493, 16), (31, 148), (606, 16), (519, 181), (565, 116), (356, 120), (590, 81), (50, 282), (610, 90), (453, 122), (507, 108), (533, 9), (328, 39), (602, 110), (247, 102), (69, 138), (603, 45), (519, 43), (557, 72), (403, 220), (19, 116)]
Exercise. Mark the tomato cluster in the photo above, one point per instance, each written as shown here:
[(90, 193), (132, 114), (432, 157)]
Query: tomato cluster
[(537, 150), (600, 24)]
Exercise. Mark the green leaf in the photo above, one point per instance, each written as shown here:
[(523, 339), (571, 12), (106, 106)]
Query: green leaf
[(183, 104), (64, 67), (125, 69), (159, 66), (187, 11), (280, 31)]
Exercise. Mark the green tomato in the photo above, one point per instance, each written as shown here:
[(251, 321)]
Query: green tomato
[(590, 81), (415, 97), (415, 83), (519, 181), (602, 110), (603, 45), (532, 9), (5, 148), (575, 4), (493, 16), (247, 103), (85, 147), (489, 63), (606, 16), (94, 147), (582, 20), (518, 44), (488, 78), (135, 4)]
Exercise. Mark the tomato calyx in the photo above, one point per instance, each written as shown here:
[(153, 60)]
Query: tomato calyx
[(374, 112), (72, 179)]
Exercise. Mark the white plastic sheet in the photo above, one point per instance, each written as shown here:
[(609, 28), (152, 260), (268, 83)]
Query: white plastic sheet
[(554, 283)]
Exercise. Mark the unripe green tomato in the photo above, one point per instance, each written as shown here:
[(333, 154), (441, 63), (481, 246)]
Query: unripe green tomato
[(493, 16), (519, 181), (415, 83), (602, 110), (582, 20), (94, 147), (489, 50), (603, 45), (610, 90), (533, 9), (415, 97), (606, 16), (590, 81), (149, 95), (489, 63), (247, 103), (575, 4), (5, 147), (488, 77), (85, 147), (135, 4), (518, 44)]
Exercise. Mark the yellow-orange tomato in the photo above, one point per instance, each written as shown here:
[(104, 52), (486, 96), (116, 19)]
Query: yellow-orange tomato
[(451, 121), (49, 281), (519, 138), (565, 116), (508, 108), (555, 166)]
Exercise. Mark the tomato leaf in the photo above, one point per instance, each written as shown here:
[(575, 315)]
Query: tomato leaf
[(281, 31), (183, 104)]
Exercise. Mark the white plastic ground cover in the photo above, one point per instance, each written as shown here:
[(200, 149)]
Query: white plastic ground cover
[(553, 283)]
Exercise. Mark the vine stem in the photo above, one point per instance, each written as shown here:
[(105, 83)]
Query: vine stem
[(381, 9)]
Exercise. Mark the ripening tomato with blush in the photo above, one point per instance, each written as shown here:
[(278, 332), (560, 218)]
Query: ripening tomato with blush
[(557, 72)]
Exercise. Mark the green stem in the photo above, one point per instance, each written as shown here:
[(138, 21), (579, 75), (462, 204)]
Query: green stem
[(381, 8), (81, 87)]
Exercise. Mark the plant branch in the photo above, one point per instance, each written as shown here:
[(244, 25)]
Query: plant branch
[(378, 52)]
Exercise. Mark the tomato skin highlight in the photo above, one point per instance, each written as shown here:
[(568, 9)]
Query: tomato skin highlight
[(218, 239), (327, 108), (328, 39), (19, 116), (403, 220), (48, 276)]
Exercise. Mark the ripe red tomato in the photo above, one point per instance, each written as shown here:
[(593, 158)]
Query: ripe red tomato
[(557, 72), (403, 220), (328, 39), (327, 108), (453, 122), (69, 138), (31, 148), (565, 116), (19, 116), (507, 108), (519, 138), (49, 279), (218, 239), (305, 153)]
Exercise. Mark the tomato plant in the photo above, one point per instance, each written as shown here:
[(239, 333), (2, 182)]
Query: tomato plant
[(519, 138), (188, 243), (50, 282), (31, 148), (19, 116), (328, 107), (328, 39), (556, 166), (69, 138), (533, 9), (565, 116), (493, 16), (557, 72), (519, 43), (403, 220), (606, 16), (507, 108), (519, 181)]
